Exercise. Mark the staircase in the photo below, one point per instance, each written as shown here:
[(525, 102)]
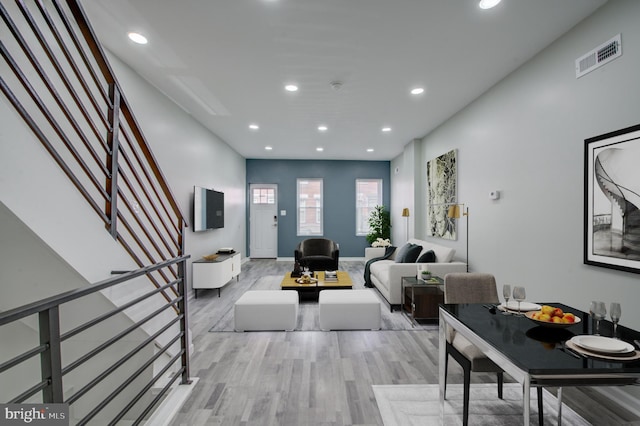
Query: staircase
[(614, 170), (78, 179)]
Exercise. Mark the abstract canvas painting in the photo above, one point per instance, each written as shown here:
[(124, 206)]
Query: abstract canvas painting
[(612, 200), (441, 192)]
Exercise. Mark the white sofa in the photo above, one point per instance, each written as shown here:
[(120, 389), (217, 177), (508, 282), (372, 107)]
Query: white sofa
[(386, 275)]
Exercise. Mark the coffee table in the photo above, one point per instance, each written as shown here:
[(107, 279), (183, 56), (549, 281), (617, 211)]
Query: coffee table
[(312, 289)]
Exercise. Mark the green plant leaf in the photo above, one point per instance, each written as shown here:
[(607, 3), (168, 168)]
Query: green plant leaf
[(379, 224)]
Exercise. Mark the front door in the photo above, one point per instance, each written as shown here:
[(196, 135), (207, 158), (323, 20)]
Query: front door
[(263, 219)]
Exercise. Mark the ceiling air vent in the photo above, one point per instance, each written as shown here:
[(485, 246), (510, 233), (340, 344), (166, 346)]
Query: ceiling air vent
[(599, 56)]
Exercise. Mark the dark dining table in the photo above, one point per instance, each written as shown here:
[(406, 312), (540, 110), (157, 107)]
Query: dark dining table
[(535, 355)]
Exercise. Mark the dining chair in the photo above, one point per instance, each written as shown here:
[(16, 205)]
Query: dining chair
[(472, 287)]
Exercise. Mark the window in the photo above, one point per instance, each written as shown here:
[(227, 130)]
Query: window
[(264, 196), (368, 195), (310, 207)]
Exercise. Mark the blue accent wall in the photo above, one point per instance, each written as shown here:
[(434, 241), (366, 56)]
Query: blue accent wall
[(339, 187)]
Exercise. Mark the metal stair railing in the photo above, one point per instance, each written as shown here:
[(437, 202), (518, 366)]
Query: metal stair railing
[(57, 78), (61, 84), (54, 366)]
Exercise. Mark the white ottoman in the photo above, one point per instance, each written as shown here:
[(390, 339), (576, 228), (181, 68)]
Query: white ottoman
[(258, 310), (349, 310)]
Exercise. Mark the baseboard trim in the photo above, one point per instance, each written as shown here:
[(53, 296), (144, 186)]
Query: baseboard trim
[(170, 406)]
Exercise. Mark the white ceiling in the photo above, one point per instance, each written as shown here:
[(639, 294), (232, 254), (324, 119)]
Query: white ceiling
[(226, 63)]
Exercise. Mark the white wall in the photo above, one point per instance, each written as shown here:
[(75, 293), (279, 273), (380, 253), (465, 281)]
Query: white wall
[(525, 137), (189, 154), (403, 193)]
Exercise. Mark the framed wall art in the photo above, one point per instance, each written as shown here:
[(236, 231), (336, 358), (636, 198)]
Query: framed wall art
[(442, 175), (612, 200)]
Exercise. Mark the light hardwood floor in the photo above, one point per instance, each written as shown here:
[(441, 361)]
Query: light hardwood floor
[(315, 377)]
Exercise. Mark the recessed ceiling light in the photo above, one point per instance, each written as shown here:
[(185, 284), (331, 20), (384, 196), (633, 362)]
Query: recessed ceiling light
[(291, 88), (254, 126), (417, 91), (488, 4), (137, 38), (319, 149), (386, 129), (268, 148), (370, 149), (323, 128)]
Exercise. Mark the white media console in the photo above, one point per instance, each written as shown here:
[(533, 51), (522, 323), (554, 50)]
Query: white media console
[(215, 273)]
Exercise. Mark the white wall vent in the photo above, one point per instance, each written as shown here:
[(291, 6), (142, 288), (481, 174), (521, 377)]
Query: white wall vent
[(599, 56)]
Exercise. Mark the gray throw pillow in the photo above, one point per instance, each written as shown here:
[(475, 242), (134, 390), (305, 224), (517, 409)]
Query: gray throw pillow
[(402, 252), (408, 253)]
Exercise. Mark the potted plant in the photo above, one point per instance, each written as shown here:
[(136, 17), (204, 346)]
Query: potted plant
[(381, 243), (379, 224), (425, 274)]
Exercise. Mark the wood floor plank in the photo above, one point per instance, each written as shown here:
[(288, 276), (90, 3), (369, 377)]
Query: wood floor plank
[(315, 377)]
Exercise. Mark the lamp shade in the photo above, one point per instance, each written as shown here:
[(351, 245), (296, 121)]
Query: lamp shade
[(454, 211), (405, 212)]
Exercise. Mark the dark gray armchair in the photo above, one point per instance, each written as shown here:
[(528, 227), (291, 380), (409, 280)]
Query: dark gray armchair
[(318, 254)]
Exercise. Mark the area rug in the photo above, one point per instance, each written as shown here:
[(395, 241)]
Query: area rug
[(308, 318), (407, 405)]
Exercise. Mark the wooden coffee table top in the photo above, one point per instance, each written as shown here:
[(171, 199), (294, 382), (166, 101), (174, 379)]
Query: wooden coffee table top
[(344, 280)]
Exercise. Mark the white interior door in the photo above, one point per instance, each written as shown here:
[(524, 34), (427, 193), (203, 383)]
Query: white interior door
[(263, 218)]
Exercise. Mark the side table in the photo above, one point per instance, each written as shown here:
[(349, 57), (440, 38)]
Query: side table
[(420, 298)]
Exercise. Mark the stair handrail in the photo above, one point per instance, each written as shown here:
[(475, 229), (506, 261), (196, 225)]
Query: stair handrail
[(105, 153), (62, 86), (52, 338)]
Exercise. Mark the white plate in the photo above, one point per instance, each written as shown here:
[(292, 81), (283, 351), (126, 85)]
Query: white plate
[(524, 306), (602, 344)]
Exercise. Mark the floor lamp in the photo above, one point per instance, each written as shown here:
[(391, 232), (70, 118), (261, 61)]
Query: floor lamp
[(454, 213), (405, 213)]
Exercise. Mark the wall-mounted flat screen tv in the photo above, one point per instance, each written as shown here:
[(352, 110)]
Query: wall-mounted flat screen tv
[(208, 209)]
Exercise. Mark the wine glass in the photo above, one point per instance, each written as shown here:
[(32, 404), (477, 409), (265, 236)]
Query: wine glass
[(506, 292), (616, 312), (599, 313), (519, 294)]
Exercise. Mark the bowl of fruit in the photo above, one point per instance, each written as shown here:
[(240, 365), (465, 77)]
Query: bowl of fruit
[(552, 317)]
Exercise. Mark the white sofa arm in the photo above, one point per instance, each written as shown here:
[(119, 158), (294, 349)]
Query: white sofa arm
[(396, 272), (373, 252)]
